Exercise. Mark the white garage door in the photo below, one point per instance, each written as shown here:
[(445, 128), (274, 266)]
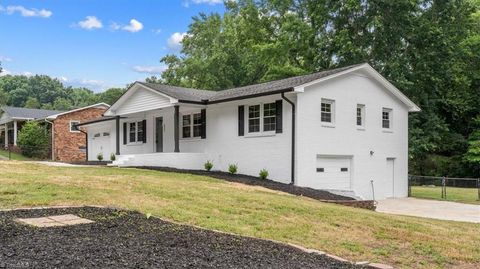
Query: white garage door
[(333, 173)]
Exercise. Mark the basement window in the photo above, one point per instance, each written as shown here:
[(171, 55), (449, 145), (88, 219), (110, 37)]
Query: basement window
[(344, 169), (320, 170)]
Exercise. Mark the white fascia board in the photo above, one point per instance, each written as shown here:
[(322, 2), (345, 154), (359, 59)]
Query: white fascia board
[(136, 86), (53, 117), (412, 107)]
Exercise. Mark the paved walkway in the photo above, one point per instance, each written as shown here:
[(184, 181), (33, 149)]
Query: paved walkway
[(430, 209)]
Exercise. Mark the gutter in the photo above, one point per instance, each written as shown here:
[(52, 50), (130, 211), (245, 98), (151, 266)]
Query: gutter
[(53, 139), (293, 137), (86, 144)]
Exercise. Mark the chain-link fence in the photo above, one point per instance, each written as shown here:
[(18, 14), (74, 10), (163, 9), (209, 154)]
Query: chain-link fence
[(446, 188)]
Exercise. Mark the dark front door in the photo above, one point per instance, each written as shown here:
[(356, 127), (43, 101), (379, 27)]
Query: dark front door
[(159, 134)]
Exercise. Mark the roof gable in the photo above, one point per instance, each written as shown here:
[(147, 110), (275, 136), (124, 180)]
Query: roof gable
[(27, 113), (99, 105)]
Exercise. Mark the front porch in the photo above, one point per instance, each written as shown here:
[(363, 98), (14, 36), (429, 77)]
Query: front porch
[(179, 160)]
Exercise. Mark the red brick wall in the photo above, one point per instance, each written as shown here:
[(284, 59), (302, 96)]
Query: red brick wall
[(67, 144)]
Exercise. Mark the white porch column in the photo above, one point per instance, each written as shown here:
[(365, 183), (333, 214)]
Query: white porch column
[(15, 130), (6, 135)]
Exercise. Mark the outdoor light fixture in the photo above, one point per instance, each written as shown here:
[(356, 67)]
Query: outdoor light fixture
[(371, 152)]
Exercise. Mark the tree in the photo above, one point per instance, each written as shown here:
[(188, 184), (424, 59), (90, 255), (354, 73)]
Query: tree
[(33, 140), (32, 102), (62, 104), (110, 96)]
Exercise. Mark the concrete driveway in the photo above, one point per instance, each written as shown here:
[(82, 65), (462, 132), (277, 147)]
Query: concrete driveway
[(430, 209)]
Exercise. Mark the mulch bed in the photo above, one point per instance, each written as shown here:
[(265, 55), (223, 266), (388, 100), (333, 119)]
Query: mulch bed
[(125, 239), (255, 181)]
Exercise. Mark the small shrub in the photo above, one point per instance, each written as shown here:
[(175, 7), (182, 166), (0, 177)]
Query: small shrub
[(100, 156), (112, 157), (208, 165), (232, 169), (263, 174)]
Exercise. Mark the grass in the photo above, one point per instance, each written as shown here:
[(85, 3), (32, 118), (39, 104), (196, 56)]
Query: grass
[(356, 234), (463, 195), (14, 156)]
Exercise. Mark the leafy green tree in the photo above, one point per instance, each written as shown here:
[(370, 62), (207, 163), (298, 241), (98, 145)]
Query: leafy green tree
[(33, 140), (62, 104), (3, 97), (110, 96), (32, 102)]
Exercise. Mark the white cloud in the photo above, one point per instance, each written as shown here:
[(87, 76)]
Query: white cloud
[(5, 59), (150, 69), (133, 27), (90, 23), (26, 12), (156, 31), (210, 2), (5, 72), (115, 26), (174, 42)]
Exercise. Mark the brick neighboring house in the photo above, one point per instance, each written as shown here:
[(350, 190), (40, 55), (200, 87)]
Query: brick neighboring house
[(69, 143)]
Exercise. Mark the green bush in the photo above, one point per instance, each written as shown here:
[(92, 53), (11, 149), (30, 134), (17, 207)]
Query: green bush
[(232, 169), (208, 165), (263, 174), (100, 156), (34, 140), (112, 157)]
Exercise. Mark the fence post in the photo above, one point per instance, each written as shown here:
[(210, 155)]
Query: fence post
[(443, 188)]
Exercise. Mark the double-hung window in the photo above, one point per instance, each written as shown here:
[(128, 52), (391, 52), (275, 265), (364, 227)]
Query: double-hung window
[(327, 111), (262, 118), (135, 132), (191, 125), (360, 115), (387, 118)]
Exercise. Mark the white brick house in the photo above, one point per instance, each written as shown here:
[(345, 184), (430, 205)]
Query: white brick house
[(342, 130)]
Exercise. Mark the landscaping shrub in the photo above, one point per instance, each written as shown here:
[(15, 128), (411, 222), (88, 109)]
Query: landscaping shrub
[(208, 165), (100, 156), (232, 169), (33, 140), (263, 174), (112, 157)]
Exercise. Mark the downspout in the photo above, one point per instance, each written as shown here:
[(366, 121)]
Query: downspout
[(86, 144), (293, 136), (53, 139)]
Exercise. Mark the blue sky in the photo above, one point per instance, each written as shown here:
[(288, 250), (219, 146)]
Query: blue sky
[(94, 44)]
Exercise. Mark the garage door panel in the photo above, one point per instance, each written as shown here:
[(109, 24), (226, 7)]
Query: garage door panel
[(332, 173)]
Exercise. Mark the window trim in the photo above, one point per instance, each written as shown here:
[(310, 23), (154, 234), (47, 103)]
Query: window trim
[(261, 132), (136, 142), (362, 116), (191, 125), (390, 119), (71, 125), (330, 123)]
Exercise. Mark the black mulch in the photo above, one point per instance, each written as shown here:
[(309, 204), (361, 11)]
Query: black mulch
[(125, 239), (255, 181)]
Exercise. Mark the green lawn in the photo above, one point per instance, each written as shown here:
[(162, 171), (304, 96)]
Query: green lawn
[(14, 156), (356, 234), (464, 195)]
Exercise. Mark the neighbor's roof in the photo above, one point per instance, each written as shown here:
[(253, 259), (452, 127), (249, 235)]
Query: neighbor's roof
[(27, 113), (195, 95)]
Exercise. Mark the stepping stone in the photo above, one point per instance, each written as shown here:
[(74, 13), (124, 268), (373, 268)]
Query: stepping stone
[(52, 221)]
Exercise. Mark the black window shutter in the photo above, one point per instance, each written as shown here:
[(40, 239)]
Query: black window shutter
[(203, 115), (241, 120), (278, 116), (144, 131), (124, 133)]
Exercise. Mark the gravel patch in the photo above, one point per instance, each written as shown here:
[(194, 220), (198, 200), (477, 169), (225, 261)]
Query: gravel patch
[(255, 181), (126, 239)]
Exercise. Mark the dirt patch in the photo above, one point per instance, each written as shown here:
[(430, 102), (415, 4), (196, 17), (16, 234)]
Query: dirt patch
[(254, 181), (125, 239)]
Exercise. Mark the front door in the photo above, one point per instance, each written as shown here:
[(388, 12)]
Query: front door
[(159, 134)]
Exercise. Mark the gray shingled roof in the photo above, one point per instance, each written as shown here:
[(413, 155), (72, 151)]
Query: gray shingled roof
[(28, 113), (195, 95)]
